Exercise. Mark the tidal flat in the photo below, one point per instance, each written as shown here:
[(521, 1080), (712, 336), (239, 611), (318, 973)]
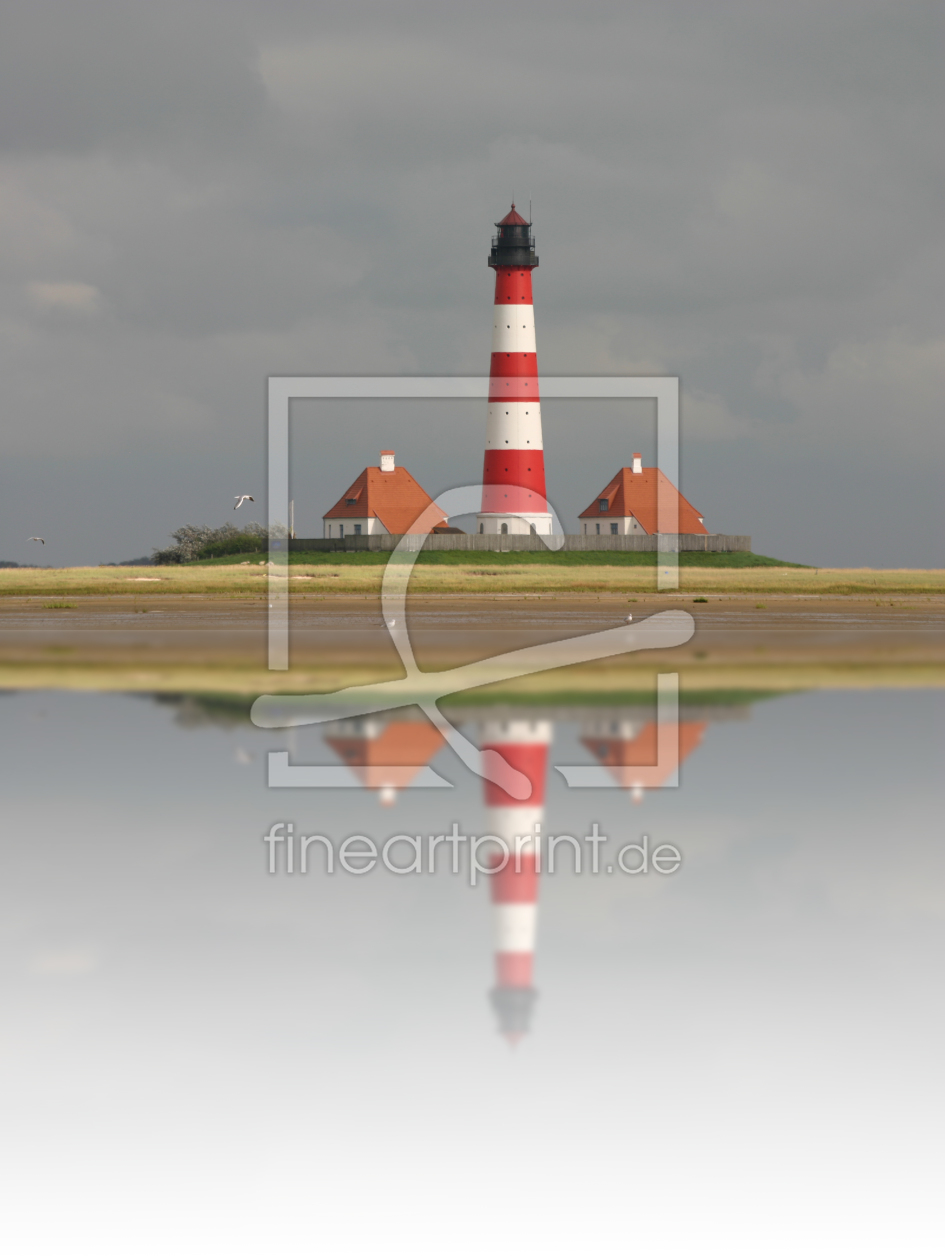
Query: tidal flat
[(172, 641)]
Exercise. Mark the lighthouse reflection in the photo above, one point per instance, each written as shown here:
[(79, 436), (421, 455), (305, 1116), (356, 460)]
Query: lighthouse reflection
[(514, 883), (387, 753)]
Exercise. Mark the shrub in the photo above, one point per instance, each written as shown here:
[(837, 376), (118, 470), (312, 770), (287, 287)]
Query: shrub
[(196, 542), (234, 546)]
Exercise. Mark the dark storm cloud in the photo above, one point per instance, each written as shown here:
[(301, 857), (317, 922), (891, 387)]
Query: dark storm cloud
[(194, 196)]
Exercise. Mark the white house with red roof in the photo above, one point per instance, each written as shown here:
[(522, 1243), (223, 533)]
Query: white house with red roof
[(628, 505), (383, 500)]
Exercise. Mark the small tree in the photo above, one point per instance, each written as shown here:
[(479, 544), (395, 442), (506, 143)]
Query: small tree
[(193, 542)]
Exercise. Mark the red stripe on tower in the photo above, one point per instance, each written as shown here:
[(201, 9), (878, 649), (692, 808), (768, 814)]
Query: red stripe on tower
[(513, 473), (514, 886)]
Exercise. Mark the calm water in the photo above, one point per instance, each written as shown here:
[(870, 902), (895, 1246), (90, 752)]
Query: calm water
[(741, 1058)]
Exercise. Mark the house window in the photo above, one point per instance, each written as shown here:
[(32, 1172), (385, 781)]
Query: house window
[(532, 529), (603, 504), (613, 527), (585, 527), (350, 502), (481, 529), (357, 529), (598, 527), (341, 531), (505, 528)]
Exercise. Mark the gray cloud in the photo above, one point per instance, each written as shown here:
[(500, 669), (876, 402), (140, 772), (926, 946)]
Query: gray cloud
[(193, 198), (113, 74)]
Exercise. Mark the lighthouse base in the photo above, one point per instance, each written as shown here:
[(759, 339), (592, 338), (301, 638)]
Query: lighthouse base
[(514, 523)]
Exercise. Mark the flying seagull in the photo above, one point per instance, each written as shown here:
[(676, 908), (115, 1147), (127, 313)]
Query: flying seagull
[(35, 539), (241, 499)]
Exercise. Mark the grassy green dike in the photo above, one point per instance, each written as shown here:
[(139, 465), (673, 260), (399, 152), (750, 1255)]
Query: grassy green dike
[(512, 559)]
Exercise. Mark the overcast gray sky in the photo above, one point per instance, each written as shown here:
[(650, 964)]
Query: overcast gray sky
[(196, 195)]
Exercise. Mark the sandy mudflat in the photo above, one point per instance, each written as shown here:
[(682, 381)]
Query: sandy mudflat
[(194, 642)]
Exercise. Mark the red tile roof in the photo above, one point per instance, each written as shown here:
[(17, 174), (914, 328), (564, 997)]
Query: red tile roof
[(513, 217), (393, 497), (634, 494)]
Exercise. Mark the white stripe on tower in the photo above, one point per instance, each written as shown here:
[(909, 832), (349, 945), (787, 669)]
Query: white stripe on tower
[(513, 475), (514, 887)]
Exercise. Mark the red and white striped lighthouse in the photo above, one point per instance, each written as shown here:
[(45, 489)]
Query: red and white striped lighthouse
[(514, 887), (513, 474)]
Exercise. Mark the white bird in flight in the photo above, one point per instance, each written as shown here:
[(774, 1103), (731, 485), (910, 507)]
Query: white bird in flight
[(241, 499), (35, 539)]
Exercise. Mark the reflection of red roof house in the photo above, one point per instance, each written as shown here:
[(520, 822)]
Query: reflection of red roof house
[(385, 757), (383, 500), (628, 505), (629, 751)]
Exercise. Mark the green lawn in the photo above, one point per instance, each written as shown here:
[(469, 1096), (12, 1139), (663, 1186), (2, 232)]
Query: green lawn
[(503, 559)]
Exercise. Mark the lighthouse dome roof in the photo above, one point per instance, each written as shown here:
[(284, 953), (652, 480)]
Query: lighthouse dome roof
[(513, 218)]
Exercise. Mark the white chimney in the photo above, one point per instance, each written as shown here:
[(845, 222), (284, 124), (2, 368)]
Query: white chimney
[(387, 461), (637, 462)]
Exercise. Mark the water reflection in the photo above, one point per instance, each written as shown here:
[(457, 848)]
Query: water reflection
[(310, 1064), (386, 753), (514, 885), (627, 747)]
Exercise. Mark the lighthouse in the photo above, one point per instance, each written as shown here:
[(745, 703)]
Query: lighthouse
[(513, 474), (514, 886)]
